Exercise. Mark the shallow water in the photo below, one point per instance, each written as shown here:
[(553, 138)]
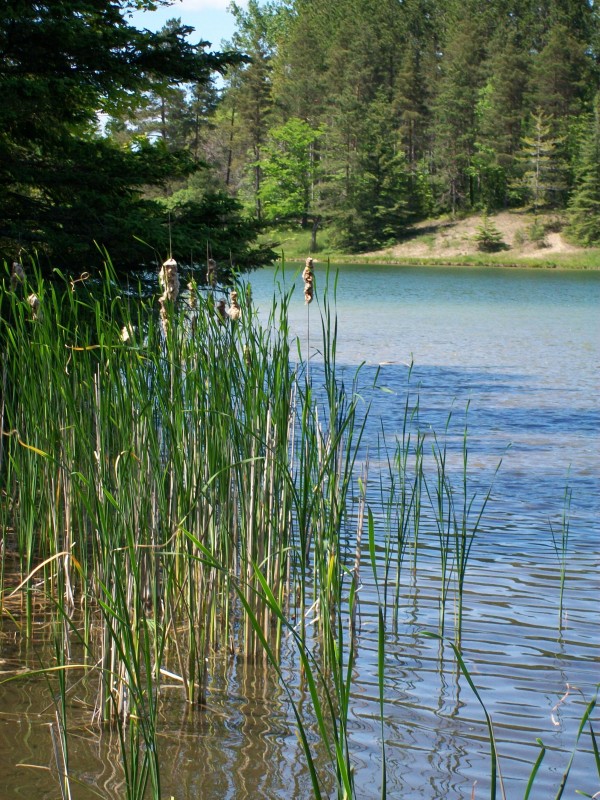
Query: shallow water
[(521, 349)]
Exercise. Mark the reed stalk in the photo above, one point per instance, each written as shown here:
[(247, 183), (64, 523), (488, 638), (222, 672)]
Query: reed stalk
[(560, 541)]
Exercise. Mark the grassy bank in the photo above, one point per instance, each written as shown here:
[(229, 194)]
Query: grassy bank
[(525, 241)]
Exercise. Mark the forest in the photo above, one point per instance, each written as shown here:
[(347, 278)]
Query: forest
[(360, 115)]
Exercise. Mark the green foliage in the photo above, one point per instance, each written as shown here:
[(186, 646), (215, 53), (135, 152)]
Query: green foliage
[(536, 232), (215, 224), (584, 207), (542, 169), (441, 99), (488, 237), (290, 171), (375, 208), (415, 107), (63, 187)]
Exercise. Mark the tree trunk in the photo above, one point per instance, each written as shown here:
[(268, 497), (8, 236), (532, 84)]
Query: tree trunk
[(313, 234)]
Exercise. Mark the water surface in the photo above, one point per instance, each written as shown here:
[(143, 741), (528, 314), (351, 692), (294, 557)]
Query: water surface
[(521, 349)]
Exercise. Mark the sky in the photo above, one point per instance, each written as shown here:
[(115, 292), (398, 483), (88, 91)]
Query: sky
[(210, 18)]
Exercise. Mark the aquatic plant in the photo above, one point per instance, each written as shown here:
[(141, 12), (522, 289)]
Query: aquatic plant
[(560, 541), (182, 495)]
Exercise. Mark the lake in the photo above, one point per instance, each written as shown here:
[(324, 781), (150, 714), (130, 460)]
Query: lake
[(513, 355)]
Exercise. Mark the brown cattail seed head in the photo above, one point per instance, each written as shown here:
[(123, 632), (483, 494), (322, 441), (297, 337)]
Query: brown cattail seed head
[(211, 272), (169, 280), (308, 278), (126, 332), (221, 312), (34, 303), (193, 287), (234, 311), (164, 317), (17, 275)]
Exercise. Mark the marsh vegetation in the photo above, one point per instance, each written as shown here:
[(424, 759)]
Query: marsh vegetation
[(185, 489)]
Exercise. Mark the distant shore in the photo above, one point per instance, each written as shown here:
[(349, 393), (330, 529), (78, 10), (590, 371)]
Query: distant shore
[(527, 242)]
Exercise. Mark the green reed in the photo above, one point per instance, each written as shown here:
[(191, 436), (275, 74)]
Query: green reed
[(458, 520), (560, 541), (189, 426)]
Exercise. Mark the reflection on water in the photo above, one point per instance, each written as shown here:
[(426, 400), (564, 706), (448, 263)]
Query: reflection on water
[(520, 348)]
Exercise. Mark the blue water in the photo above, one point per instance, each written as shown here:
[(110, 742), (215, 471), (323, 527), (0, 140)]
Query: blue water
[(519, 349)]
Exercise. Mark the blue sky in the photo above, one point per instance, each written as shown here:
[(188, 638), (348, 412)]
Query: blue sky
[(210, 18)]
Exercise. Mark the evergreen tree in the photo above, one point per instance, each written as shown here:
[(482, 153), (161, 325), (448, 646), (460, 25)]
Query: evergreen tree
[(63, 186), (584, 207), (249, 101), (454, 109), (375, 210), (411, 97), (502, 101), (561, 79), (300, 80), (542, 176)]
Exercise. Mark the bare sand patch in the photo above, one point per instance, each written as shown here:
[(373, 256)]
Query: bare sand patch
[(453, 238)]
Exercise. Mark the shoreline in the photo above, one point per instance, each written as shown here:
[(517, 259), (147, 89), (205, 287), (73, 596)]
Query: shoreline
[(341, 260), (525, 241)]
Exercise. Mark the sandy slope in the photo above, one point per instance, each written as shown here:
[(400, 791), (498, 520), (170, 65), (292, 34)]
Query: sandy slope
[(453, 238)]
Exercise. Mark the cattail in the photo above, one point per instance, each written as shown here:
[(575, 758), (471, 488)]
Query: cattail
[(34, 303), (308, 278), (17, 275), (169, 281), (234, 311), (221, 312), (211, 272), (126, 332), (193, 287), (247, 356), (164, 316)]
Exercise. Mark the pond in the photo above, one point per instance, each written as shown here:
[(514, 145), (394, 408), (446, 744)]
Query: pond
[(506, 361)]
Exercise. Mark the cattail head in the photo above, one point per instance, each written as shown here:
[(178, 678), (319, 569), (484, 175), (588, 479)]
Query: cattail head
[(222, 312), (211, 272), (163, 314), (234, 311), (35, 305), (308, 278), (17, 275), (193, 287), (169, 280), (126, 332)]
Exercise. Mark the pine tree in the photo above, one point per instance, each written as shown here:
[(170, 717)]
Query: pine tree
[(584, 207), (376, 209), (454, 109), (561, 79), (63, 186), (500, 115), (249, 96), (542, 177)]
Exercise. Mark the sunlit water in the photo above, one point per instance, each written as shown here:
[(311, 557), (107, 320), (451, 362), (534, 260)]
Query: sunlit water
[(521, 350)]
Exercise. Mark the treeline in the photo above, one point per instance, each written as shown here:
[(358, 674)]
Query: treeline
[(367, 114), (364, 115)]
